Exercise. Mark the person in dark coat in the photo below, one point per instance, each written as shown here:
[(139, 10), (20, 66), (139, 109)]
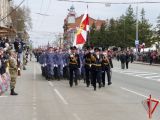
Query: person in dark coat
[(2, 62), (123, 60), (87, 66), (127, 59)]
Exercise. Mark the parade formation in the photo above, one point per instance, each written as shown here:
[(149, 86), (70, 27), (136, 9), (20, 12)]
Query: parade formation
[(88, 64), (79, 60)]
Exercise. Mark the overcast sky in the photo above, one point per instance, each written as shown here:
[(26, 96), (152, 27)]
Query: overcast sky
[(43, 26)]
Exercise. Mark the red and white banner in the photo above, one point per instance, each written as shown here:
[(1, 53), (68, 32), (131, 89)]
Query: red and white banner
[(81, 35)]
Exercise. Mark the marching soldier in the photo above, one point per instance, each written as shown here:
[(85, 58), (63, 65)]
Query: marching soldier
[(60, 64), (74, 64), (106, 68), (55, 57), (110, 58), (13, 71), (65, 65), (87, 66), (50, 63), (42, 61), (96, 67)]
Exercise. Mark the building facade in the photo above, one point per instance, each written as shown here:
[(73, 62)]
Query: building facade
[(72, 23), (5, 18)]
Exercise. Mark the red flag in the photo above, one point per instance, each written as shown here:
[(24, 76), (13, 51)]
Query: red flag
[(81, 35)]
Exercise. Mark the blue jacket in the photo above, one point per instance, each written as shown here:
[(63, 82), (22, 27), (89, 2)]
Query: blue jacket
[(50, 60)]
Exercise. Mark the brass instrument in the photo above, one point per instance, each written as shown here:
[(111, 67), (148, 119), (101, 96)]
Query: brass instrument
[(73, 58), (105, 58), (93, 59)]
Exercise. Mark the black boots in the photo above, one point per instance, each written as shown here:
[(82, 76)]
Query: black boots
[(13, 93), (109, 83)]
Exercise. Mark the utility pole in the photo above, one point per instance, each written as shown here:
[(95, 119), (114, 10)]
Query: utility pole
[(137, 34)]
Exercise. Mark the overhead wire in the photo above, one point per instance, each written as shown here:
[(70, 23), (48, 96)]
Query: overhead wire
[(37, 21), (83, 1), (45, 13)]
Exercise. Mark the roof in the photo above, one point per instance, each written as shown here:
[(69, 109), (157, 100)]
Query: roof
[(98, 23)]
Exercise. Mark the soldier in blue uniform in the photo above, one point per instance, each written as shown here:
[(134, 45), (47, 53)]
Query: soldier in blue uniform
[(60, 64), (65, 65), (42, 61), (55, 58), (50, 63), (74, 64)]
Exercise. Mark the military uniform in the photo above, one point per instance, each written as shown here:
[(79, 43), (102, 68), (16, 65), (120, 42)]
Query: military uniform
[(96, 68), (106, 68), (42, 61), (66, 65), (74, 64), (60, 65), (50, 64), (56, 62), (88, 64), (13, 74)]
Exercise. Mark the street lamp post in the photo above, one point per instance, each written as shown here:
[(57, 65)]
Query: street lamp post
[(137, 34)]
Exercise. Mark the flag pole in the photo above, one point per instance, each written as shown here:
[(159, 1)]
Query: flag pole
[(88, 36)]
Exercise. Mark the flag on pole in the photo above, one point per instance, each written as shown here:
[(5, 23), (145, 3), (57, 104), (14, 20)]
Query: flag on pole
[(81, 35)]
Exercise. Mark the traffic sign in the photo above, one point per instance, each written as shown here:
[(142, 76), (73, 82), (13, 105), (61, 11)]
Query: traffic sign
[(136, 42), (150, 105)]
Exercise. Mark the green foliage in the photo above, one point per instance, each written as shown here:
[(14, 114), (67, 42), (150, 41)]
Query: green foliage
[(122, 32), (145, 32)]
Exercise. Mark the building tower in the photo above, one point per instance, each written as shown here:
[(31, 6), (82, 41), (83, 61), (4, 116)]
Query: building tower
[(71, 15)]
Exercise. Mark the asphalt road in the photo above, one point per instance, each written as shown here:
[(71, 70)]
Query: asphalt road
[(39, 99)]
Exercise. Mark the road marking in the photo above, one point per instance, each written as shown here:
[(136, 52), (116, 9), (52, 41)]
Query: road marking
[(140, 74), (76, 116), (152, 76), (34, 113), (146, 74), (34, 97), (157, 80), (34, 118), (61, 97), (34, 72), (34, 108), (50, 83), (3, 96), (131, 91), (34, 104)]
